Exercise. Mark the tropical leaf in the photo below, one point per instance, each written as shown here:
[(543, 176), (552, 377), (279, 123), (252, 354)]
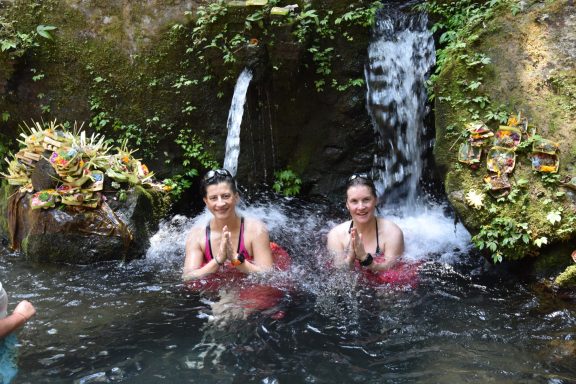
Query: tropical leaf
[(43, 30), (554, 217), (540, 241)]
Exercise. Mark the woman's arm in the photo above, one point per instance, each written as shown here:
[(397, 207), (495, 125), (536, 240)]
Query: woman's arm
[(257, 233), (393, 247), (193, 268), (343, 258), (22, 313)]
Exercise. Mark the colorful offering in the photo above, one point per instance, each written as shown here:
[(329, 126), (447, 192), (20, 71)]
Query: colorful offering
[(501, 160)]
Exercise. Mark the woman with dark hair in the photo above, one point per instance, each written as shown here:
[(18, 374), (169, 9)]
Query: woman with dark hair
[(372, 242), (229, 242)]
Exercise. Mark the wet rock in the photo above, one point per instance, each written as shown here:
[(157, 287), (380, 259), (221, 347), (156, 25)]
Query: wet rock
[(532, 71), (567, 278), (116, 230)]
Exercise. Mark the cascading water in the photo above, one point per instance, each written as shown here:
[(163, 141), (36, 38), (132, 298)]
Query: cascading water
[(235, 121), (400, 58)]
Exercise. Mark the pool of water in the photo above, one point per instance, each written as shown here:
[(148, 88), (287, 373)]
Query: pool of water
[(136, 323)]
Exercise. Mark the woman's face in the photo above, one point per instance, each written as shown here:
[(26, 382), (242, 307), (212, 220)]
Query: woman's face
[(221, 200), (361, 203)]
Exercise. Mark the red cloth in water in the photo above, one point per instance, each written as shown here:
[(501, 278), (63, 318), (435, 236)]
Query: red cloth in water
[(260, 297), (400, 275), (230, 276)]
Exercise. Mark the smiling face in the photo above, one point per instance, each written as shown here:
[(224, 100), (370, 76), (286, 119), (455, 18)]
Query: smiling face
[(361, 203), (221, 200)]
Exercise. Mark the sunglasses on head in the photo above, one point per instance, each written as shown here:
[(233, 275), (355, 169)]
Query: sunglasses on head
[(359, 175), (215, 172)]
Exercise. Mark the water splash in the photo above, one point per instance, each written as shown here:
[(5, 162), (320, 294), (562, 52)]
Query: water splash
[(400, 57), (235, 121), (301, 228)]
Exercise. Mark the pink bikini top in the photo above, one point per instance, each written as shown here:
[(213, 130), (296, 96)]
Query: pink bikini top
[(241, 247)]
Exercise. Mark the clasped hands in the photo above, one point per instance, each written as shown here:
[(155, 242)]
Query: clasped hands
[(225, 251), (356, 250)]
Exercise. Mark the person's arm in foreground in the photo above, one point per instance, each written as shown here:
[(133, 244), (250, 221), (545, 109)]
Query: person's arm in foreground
[(22, 313)]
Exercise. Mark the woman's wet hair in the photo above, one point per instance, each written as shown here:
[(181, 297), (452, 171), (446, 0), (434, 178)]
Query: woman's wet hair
[(217, 176), (361, 179)]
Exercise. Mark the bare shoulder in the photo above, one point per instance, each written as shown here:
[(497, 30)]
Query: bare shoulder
[(196, 234), (338, 235), (254, 226), (389, 226), (393, 239)]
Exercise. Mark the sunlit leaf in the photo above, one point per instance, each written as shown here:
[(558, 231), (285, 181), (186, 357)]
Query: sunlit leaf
[(540, 241), (43, 30), (554, 217)]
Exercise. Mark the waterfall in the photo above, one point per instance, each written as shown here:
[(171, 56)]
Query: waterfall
[(399, 60), (235, 121)]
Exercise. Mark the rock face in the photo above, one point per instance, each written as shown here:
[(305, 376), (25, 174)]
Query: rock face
[(127, 67), (532, 71), (116, 230)]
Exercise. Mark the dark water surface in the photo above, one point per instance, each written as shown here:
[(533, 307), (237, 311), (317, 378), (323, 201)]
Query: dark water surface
[(136, 323)]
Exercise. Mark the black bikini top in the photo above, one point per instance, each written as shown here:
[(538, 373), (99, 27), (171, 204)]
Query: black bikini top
[(377, 240)]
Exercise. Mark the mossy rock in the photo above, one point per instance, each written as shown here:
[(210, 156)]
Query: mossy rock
[(567, 279), (83, 235), (525, 75)]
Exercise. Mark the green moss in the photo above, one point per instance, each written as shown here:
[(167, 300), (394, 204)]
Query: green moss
[(24, 245), (534, 204), (5, 191), (567, 278)]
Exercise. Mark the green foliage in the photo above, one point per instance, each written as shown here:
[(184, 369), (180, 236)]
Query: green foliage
[(515, 7), (44, 31), (214, 40), (195, 156), (550, 179), (563, 84), (359, 15), (518, 225), (499, 114), (287, 183), (536, 211), (456, 23), (15, 42), (177, 184), (194, 153), (503, 236)]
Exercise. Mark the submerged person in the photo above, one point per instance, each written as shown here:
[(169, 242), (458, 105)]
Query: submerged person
[(229, 242), (229, 247), (371, 242)]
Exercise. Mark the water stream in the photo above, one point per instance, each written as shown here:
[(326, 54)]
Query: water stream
[(235, 121), (400, 56)]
